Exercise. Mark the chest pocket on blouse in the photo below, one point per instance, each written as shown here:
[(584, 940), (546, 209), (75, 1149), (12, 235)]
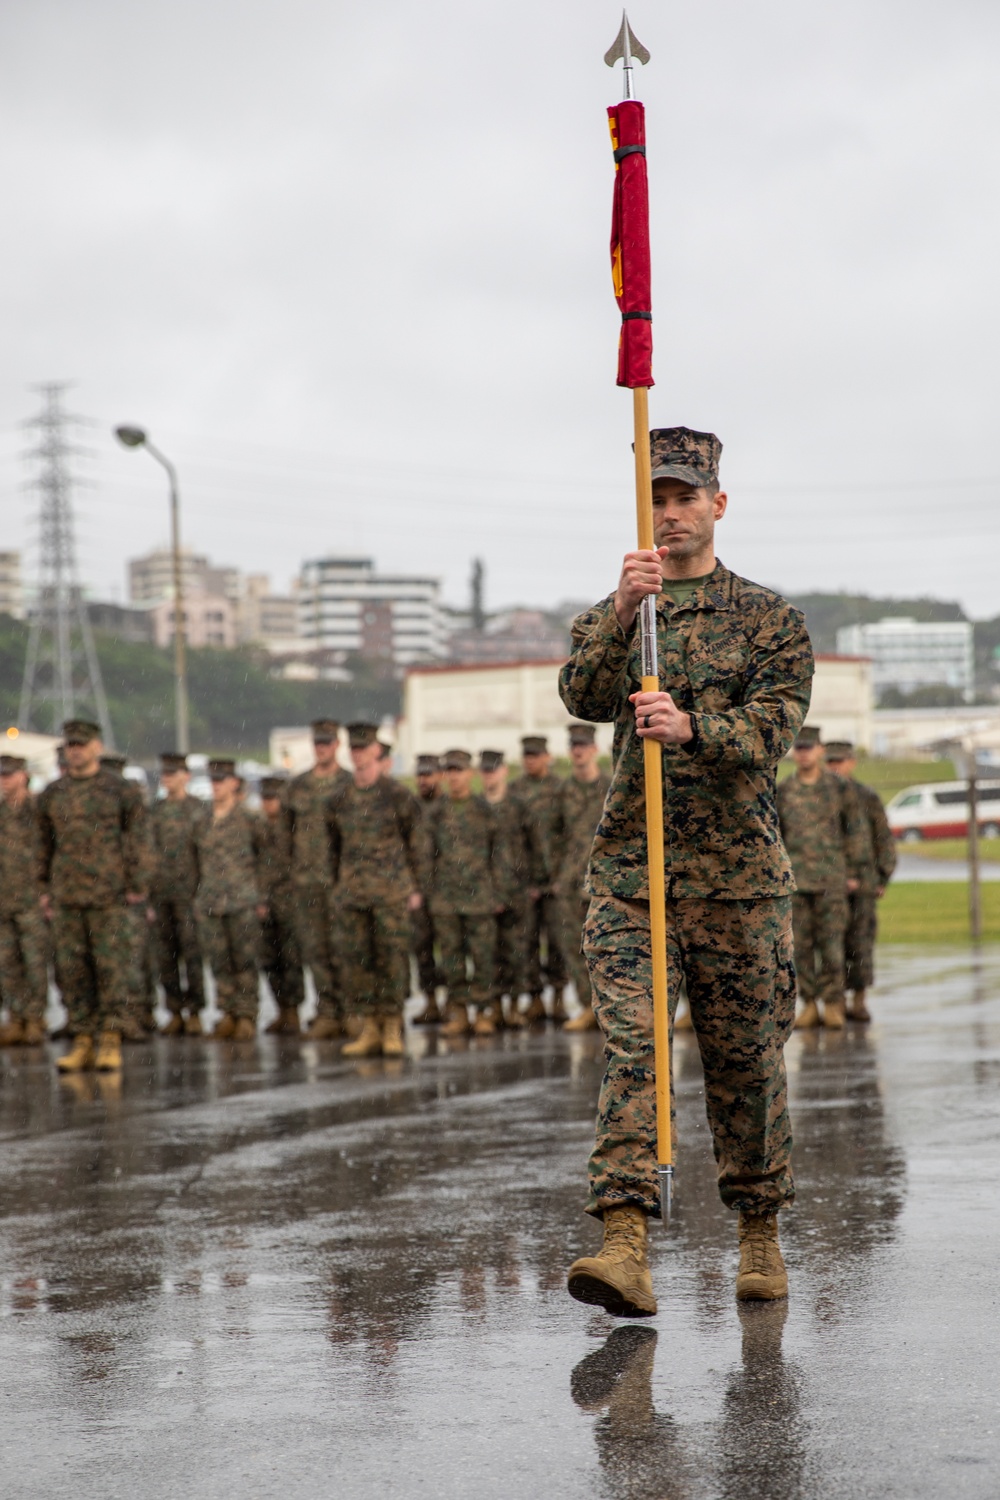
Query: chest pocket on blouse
[(717, 676)]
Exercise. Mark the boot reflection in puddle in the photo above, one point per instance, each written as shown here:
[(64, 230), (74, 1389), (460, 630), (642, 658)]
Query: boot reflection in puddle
[(638, 1447), (762, 1443)]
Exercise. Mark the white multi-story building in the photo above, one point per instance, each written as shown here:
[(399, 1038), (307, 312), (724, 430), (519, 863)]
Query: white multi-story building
[(908, 654), (344, 605)]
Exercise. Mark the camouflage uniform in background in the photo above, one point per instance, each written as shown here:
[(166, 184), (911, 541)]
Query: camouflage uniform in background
[(546, 963), (574, 823), (175, 828), (821, 832), (422, 928), (95, 848), (873, 870), (24, 947), (378, 856), (737, 658), (307, 843), (230, 888), (280, 957), (464, 839), (513, 846)]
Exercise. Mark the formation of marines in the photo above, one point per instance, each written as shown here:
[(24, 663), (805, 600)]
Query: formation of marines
[(345, 873)]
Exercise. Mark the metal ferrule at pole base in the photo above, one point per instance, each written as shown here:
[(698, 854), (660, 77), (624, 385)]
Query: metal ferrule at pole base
[(665, 1177), (647, 625)]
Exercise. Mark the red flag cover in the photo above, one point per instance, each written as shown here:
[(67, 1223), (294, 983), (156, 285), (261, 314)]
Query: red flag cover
[(630, 267)]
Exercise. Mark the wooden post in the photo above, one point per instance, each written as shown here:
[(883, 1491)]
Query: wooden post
[(975, 902)]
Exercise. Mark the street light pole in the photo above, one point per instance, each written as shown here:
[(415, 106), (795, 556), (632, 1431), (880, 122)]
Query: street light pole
[(135, 437)]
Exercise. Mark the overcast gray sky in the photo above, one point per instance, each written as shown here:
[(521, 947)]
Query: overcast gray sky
[(349, 265)]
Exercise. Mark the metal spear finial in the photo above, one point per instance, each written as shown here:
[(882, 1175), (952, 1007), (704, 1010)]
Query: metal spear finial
[(626, 46)]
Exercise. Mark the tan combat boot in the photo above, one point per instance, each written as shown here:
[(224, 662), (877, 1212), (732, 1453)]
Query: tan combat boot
[(285, 1023), (484, 1024), (224, 1028), (618, 1279), (535, 1014), (762, 1276), (393, 1044), (368, 1044), (808, 1016), (833, 1015), (858, 1010), (585, 1021), (513, 1017), (457, 1020), (430, 1015), (109, 1052), (34, 1034), (80, 1058), (192, 1025), (245, 1030), (174, 1027), (323, 1029), (133, 1029), (12, 1033), (559, 1012)]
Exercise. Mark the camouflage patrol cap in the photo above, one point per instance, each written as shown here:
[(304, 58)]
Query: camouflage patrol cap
[(534, 744), (325, 731), (457, 760), (582, 734), (11, 763), (270, 786), (172, 760), (490, 760), (220, 768), (680, 453), (428, 765), (360, 735), (80, 731), (807, 736), (112, 761), (839, 750)]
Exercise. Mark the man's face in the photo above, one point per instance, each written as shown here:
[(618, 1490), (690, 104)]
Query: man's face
[(842, 767), (367, 762), (808, 757), (82, 758), (494, 781), (536, 764), (427, 784), (684, 518), (271, 806), (175, 783), (459, 783), (325, 753), (13, 785), (583, 757), (224, 789)]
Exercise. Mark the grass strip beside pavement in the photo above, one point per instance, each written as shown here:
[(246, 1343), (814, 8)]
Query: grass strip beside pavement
[(989, 849), (929, 911)]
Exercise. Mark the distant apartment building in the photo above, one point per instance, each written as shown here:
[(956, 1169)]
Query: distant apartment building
[(11, 589), (152, 577), (209, 620), (345, 605), (224, 606), (908, 654)]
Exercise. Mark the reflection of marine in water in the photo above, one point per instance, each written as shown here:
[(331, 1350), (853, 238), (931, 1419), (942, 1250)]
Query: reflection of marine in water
[(638, 1447), (761, 1444)]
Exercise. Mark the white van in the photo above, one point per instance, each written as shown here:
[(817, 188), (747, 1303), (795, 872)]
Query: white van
[(940, 810)]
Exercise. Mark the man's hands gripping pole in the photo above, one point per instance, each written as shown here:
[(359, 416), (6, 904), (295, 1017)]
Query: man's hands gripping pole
[(657, 716)]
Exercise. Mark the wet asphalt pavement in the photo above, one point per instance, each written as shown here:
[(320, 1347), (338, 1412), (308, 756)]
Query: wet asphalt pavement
[(260, 1271)]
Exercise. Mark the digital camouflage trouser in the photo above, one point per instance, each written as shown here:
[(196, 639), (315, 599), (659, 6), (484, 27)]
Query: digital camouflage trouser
[(510, 968), (280, 957), (819, 919), (373, 948), (315, 924), (571, 914), (24, 952), (467, 943), (93, 956), (231, 947), (859, 940), (422, 930), (736, 959), (141, 978), (176, 936), (550, 967)]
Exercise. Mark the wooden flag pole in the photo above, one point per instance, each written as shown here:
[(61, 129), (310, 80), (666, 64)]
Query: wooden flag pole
[(653, 768)]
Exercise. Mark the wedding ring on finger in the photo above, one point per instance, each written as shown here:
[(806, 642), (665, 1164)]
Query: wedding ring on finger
[(645, 722)]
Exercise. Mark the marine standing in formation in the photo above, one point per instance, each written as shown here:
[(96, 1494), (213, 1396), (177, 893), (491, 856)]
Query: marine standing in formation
[(516, 839), (175, 822), (24, 982), (280, 955), (875, 863), (821, 830), (576, 816), (538, 792), (736, 670), (428, 782), (230, 902)]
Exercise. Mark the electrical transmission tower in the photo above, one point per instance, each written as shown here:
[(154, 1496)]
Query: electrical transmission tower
[(61, 674)]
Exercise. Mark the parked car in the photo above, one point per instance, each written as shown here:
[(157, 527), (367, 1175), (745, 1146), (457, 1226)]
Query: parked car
[(940, 810)]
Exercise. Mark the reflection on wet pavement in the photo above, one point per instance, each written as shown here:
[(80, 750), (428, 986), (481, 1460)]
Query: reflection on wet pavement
[(259, 1270)]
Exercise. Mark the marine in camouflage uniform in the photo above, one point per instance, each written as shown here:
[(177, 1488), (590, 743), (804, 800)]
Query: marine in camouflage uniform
[(305, 833), (280, 957), (138, 1020), (95, 863), (377, 835), (513, 859), (229, 903), (735, 669), (820, 829), (581, 801), (873, 871), (463, 836), (175, 821), (23, 936), (428, 780), (538, 791)]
